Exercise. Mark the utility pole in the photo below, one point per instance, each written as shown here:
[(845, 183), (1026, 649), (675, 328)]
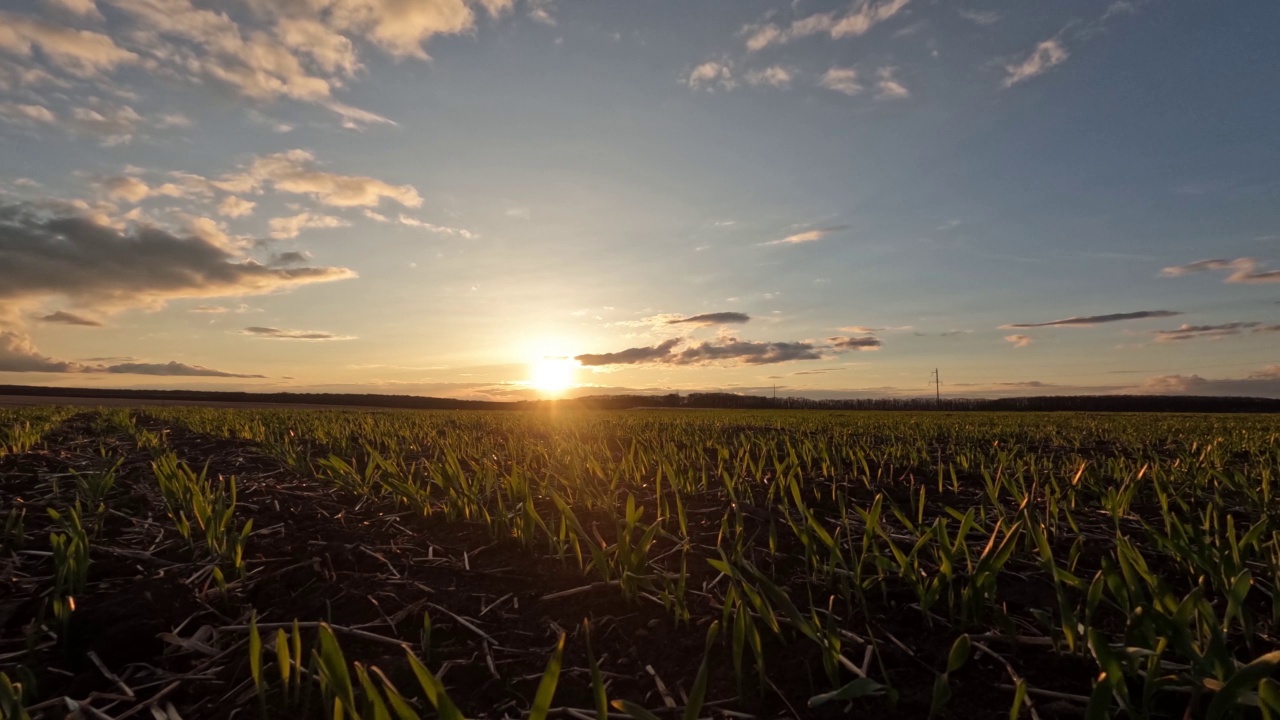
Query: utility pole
[(937, 387)]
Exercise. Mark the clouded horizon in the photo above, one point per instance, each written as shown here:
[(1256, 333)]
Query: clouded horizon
[(502, 199)]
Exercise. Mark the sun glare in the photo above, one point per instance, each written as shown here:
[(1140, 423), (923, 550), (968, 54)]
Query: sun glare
[(552, 375)]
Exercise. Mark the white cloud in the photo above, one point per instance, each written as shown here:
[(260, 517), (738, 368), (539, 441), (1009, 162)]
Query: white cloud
[(128, 189), (441, 229), (842, 80), (1046, 55), (807, 236), (295, 171), (710, 75), (887, 85), (289, 227), (1242, 270), (27, 114), (857, 20), (79, 52), (774, 76), (1019, 341), (232, 206)]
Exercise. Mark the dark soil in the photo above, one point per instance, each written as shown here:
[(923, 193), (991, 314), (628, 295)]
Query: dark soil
[(162, 631)]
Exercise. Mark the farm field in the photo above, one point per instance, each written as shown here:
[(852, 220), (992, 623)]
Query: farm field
[(177, 562)]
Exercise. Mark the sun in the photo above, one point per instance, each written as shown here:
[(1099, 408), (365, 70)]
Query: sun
[(553, 375)]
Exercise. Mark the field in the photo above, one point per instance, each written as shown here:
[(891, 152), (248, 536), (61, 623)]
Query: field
[(213, 563)]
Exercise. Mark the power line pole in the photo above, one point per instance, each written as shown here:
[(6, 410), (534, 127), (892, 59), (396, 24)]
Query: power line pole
[(937, 387)]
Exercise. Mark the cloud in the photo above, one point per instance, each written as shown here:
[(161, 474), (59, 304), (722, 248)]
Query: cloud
[(1242, 270), (807, 236), (857, 20), (981, 17), (842, 80), (711, 75), (887, 85), (1263, 383), (864, 329), (53, 250), (128, 189), (856, 344), (708, 319), (1192, 332), (170, 368), (63, 317), (1096, 319), (439, 229), (773, 76), (732, 351), (84, 8), (27, 115), (17, 354), (291, 257), (235, 207), (630, 356), (295, 171), (80, 52), (288, 227), (281, 334), (1019, 341), (726, 350), (1046, 55)]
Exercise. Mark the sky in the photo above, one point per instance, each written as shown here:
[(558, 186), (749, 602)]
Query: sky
[(508, 199)]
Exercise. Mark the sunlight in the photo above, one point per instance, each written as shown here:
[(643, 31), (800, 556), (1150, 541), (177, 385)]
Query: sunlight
[(553, 374)]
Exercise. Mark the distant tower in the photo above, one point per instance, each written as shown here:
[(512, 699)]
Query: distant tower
[(937, 387)]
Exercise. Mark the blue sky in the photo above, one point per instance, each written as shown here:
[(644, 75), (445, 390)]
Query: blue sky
[(513, 198)]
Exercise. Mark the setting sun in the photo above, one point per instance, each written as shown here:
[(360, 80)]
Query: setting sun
[(553, 375)]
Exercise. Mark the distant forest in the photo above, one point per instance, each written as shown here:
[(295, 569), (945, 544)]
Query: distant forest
[(1086, 403)]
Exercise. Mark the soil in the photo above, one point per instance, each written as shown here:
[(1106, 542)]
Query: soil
[(154, 629)]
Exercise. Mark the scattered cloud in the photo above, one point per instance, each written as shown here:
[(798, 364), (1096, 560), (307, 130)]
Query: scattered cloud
[(292, 257), (856, 344), (1046, 55), (711, 75), (18, 354), (439, 229), (807, 236), (296, 171), (235, 207), (842, 80), (857, 20), (1241, 270), (981, 17), (127, 189), (282, 334), (1194, 332), (23, 114), (62, 317), (1096, 319), (56, 250), (773, 76), (887, 85), (1263, 383), (864, 329), (289, 227), (1019, 341), (727, 350), (82, 53), (631, 356), (709, 319)]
